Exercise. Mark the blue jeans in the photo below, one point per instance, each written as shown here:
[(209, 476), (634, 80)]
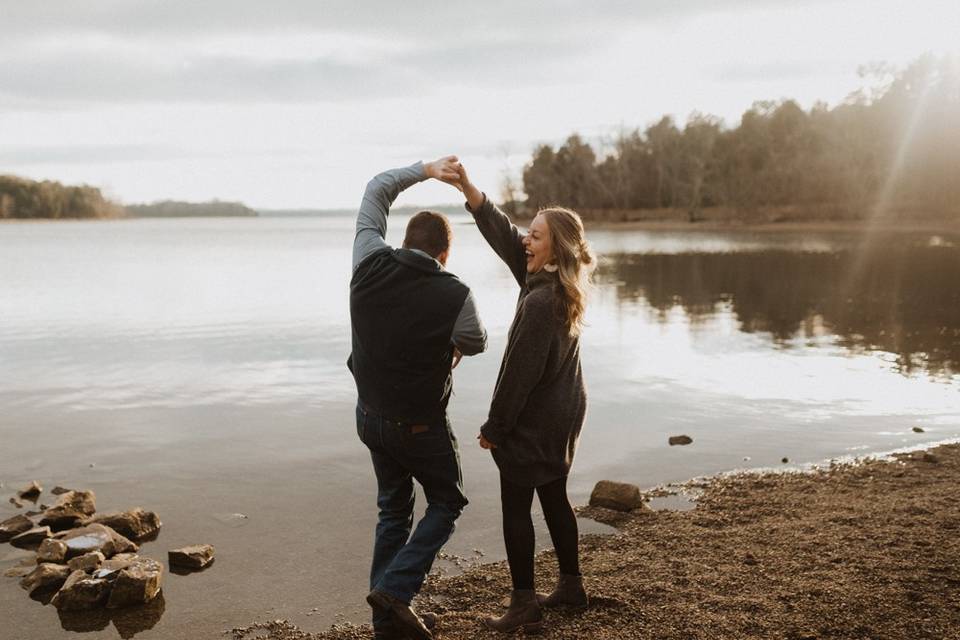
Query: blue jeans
[(401, 453)]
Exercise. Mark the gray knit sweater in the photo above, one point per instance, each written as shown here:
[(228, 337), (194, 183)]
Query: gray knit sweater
[(539, 401)]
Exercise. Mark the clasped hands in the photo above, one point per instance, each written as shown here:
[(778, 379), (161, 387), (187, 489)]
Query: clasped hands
[(450, 170)]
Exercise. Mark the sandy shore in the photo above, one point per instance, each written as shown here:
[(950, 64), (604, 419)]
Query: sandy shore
[(864, 550)]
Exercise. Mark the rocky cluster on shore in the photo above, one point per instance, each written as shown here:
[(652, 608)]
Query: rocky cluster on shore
[(86, 560)]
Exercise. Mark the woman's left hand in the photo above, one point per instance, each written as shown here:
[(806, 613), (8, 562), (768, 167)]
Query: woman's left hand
[(486, 444)]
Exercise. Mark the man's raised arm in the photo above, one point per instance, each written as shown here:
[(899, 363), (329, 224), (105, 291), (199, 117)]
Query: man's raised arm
[(381, 191)]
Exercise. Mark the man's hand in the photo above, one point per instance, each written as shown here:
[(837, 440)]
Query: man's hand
[(486, 444), (444, 169)]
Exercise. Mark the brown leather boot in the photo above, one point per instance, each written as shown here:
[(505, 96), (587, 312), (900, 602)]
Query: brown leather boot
[(523, 613), (405, 619), (568, 592)]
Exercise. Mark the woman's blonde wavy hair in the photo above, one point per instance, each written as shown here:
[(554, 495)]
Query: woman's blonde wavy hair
[(575, 262)]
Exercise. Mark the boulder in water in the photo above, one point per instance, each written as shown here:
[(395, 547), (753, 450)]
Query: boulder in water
[(31, 538), (193, 557), (87, 562), (96, 537), (52, 550), (82, 592), (135, 524), (45, 576), (137, 583), (619, 496), (30, 492), (71, 508), (12, 527)]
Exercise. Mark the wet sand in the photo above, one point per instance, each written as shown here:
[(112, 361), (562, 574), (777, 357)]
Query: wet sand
[(859, 550)]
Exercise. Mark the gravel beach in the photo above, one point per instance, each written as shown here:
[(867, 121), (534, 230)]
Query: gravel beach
[(864, 550)]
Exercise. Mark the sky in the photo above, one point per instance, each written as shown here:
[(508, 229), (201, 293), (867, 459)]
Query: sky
[(297, 103)]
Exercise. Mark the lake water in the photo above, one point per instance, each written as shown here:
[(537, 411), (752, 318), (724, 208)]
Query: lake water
[(196, 368)]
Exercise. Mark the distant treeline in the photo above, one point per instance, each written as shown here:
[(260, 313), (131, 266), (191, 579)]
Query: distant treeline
[(891, 151), (26, 199), (172, 209), (22, 198)]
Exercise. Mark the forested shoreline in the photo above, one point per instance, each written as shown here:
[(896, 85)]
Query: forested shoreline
[(175, 209), (23, 199), (890, 152)]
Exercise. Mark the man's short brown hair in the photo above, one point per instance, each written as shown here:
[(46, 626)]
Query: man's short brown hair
[(429, 232)]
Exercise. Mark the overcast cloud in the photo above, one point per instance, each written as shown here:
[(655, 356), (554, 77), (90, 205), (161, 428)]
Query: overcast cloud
[(297, 103)]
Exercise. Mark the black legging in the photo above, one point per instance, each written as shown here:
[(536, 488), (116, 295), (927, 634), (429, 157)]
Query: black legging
[(518, 533)]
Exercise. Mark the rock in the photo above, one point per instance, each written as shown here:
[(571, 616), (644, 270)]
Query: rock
[(30, 492), (138, 583), (784, 459), (58, 490), (96, 537), (87, 562), (45, 576), (19, 571), (929, 457), (616, 495), (918, 429), (82, 592), (14, 526), (135, 524), (51, 550), (119, 561), (675, 440), (32, 538), (70, 509), (16, 503), (193, 557)]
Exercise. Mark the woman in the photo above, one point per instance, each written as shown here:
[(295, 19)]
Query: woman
[(539, 400)]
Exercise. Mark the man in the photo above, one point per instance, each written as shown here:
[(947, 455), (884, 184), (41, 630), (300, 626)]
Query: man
[(411, 321)]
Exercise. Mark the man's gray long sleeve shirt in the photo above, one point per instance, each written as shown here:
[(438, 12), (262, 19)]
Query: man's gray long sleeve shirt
[(469, 335)]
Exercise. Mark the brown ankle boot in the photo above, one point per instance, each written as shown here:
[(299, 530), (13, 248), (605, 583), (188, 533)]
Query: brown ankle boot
[(523, 613), (569, 592)]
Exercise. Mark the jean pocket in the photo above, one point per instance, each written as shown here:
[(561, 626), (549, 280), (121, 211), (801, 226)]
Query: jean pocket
[(433, 439)]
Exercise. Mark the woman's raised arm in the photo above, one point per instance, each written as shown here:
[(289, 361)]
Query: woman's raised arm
[(502, 235)]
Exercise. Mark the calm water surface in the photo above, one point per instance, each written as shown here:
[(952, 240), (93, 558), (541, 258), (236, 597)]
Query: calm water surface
[(196, 367)]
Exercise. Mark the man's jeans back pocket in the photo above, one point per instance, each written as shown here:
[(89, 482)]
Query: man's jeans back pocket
[(433, 439)]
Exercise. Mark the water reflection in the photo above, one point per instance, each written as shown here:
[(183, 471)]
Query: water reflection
[(128, 622), (894, 297)]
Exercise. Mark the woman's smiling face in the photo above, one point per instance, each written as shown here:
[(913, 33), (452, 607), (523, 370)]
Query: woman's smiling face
[(538, 245)]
